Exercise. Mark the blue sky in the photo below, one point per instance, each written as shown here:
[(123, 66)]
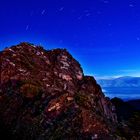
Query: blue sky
[(103, 35)]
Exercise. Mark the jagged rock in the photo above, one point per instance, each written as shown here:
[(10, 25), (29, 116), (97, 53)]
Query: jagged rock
[(45, 95)]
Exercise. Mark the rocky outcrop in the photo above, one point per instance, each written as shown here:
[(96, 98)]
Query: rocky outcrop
[(45, 95), (128, 114)]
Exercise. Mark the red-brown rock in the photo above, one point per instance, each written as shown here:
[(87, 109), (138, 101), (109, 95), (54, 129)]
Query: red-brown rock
[(45, 95)]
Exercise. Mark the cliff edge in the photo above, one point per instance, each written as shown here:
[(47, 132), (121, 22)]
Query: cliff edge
[(45, 95)]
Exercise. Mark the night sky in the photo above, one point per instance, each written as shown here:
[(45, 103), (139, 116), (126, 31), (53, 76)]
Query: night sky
[(103, 35)]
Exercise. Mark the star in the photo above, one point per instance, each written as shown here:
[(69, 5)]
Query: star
[(27, 27), (88, 14), (131, 5), (109, 24), (61, 9), (105, 1), (80, 17), (138, 39), (43, 12)]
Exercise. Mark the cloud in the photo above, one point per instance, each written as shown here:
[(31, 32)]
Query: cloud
[(98, 77), (108, 77), (116, 76), (128, 70), (136, 74)]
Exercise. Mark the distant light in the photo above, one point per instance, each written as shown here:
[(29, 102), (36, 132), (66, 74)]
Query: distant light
[(138, 38)]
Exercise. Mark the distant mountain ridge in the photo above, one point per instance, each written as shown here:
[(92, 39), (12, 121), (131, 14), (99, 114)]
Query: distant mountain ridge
[(126, 81)]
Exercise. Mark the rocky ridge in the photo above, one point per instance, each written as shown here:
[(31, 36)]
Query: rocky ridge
[(45, 95)]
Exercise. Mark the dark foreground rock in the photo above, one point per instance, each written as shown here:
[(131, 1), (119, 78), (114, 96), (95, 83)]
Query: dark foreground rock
[(128, 114), (45, 95)]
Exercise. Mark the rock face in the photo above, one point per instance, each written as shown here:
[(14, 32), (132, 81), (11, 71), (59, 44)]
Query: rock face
[(129, 120), (45, 95)]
